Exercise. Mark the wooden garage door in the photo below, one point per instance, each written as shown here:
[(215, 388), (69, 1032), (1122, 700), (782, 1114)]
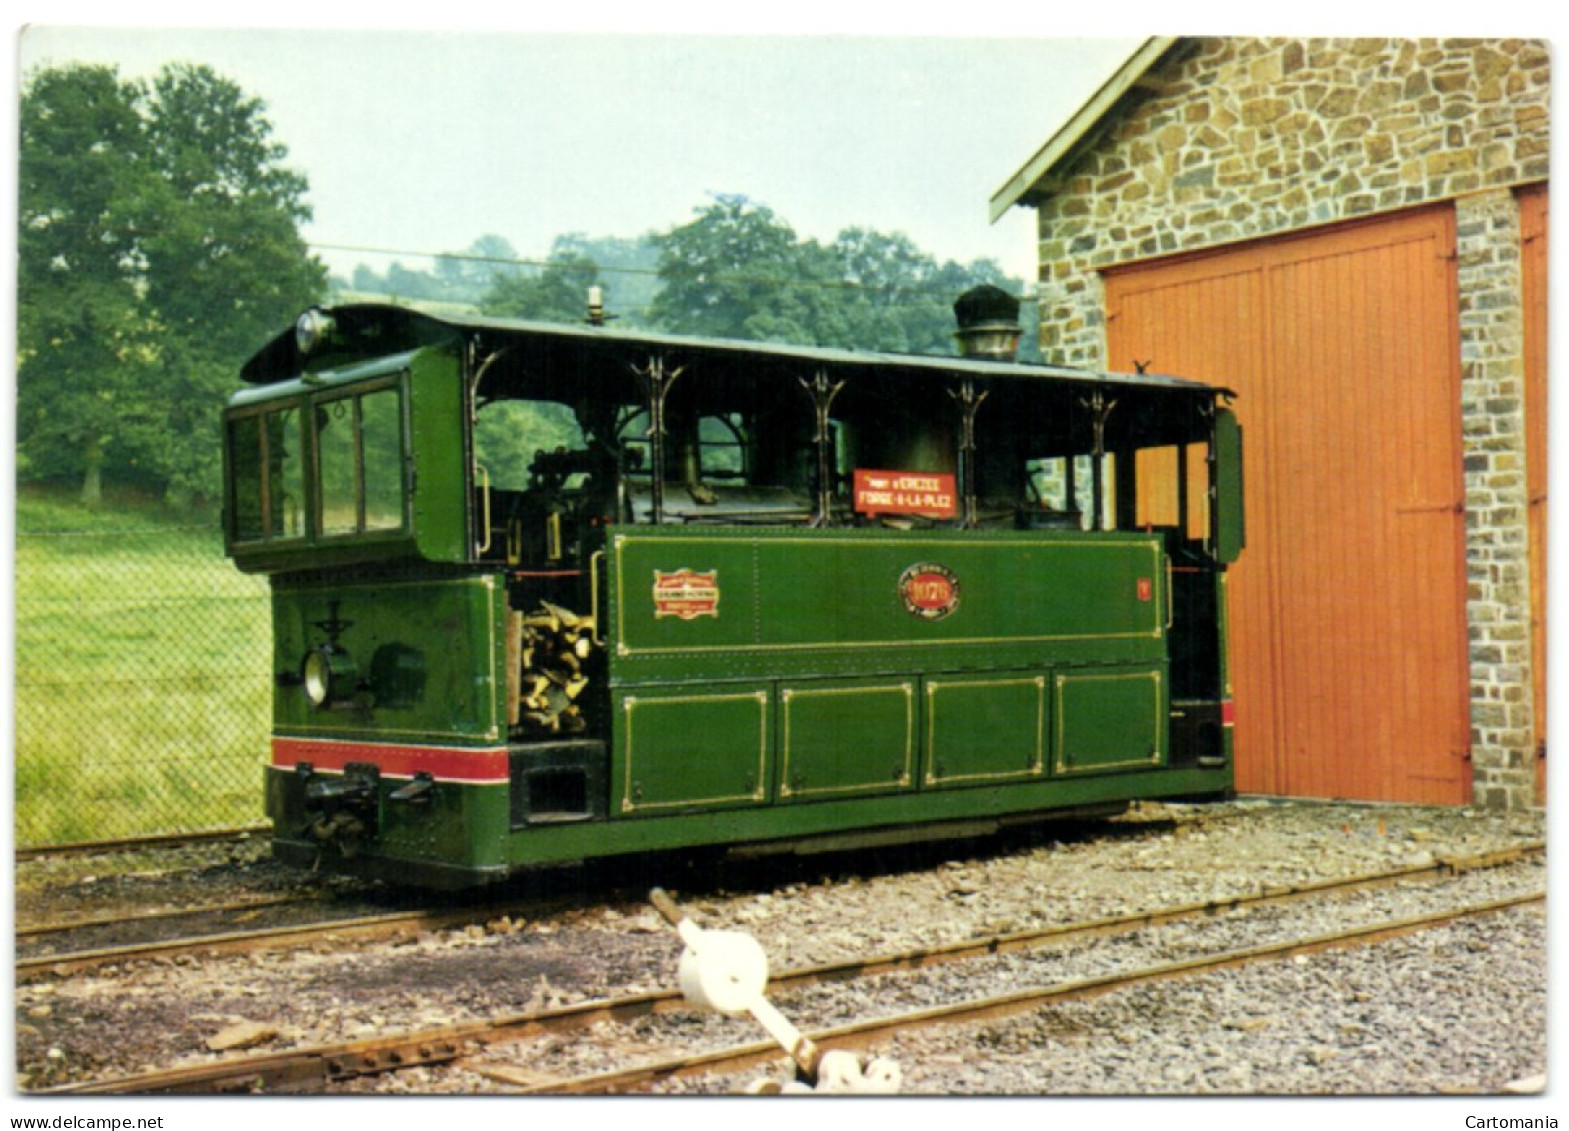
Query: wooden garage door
[(1533, 259), (1348, 646)]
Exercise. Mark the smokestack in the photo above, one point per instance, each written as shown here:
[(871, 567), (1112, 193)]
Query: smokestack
[(988, 320)]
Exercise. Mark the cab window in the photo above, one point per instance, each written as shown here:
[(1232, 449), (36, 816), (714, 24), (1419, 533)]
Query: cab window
[(359, 461), (267, 476)]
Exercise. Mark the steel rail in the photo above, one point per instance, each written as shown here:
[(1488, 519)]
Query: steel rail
[(38, 930), (364, 927), (315, 1065), (858, 1034), (135, 843), (30, 968)]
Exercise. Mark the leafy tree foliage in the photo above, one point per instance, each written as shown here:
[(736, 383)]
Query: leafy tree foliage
[(466, 276), (733, 272), (558, 293), (738, 271), (82, 343), (159, 247), (459, 276)]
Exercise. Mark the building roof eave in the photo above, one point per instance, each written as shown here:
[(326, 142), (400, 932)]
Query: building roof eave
[(1066, 141)]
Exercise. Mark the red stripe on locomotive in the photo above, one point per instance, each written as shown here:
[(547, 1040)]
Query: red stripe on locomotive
[(444, 763)]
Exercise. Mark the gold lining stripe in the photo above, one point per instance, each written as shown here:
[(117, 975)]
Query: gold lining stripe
[(493, 734), (1154, 759), (1037, 765), (759, 792)]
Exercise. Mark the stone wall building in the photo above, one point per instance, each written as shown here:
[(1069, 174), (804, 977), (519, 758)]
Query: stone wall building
[(1352, 233)]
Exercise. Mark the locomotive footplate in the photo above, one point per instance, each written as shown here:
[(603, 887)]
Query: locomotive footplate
[(558, 782)]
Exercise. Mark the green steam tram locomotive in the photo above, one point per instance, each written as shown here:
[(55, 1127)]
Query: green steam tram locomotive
[(543, 593)]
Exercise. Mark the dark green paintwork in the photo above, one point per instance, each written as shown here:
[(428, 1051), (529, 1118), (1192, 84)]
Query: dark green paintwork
[(693, 748), (828, 602), (907, 808), (431, 390), (1230, 527), (984, 729), (1055, 637), (444, 628), (844, 738), (1108, 719), (462, 827)]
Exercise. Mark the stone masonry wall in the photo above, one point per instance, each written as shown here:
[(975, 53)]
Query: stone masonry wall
[(1492, 399), (1233, 139), (1241, 138)]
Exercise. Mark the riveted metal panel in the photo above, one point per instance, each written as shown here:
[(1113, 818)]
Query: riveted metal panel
[(686, 750), (985, 729), (846, 738), (1108, 720), (1348, 648), (837, 602)]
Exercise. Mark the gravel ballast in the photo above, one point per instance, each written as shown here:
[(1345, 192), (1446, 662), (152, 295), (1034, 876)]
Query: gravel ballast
[(1458, 1009)]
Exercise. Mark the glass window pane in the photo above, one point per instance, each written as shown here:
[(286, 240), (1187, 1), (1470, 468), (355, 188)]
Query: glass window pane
[(285, 454), (381, 434), (245, 478), (335, 444)]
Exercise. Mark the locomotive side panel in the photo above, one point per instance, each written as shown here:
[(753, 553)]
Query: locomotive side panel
[(849, 601)]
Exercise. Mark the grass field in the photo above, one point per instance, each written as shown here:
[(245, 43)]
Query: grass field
[(141, 688)]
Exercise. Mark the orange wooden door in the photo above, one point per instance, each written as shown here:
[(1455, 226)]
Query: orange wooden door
[(1348, 647), (1533, 258)]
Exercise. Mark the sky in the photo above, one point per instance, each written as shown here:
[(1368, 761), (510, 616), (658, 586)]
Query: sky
[(422, 141)]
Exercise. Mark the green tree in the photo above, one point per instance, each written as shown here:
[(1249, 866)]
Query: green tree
[(140, 297), (734, 272), (739, 271), (628, 267), (466, 276), (225, 264), (83, 346), (557, 293)]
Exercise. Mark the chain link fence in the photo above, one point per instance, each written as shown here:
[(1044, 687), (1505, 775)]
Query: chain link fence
[(142, 700)]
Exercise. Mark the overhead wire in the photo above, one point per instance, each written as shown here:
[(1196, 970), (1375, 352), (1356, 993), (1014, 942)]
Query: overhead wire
[(942, 293)]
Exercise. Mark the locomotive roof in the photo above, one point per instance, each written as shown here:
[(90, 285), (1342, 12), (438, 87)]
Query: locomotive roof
[(399, 328)]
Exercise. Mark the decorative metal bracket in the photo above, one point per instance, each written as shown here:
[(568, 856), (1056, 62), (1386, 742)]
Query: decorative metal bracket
[(823, 392), (969, 401), (656, 383), (1100, 408)]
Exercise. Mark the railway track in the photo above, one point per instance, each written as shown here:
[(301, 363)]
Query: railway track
[(390, 925), (860, 1034), (368, 927), (39, 931), (318, 1067), (153, 843)]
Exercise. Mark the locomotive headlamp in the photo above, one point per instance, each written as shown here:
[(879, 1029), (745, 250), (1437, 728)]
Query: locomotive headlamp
[(328, 676), (311, 329)]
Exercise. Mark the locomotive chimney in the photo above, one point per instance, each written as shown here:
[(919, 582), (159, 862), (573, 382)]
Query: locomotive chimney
[(988, 320)]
